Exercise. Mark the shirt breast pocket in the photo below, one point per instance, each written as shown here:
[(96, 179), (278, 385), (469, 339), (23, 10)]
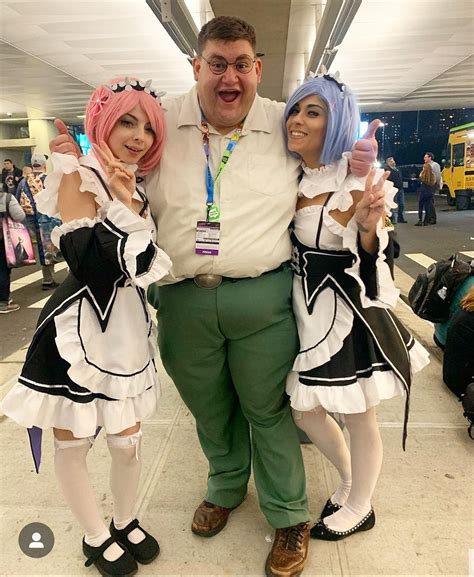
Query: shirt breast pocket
[(270, 174)]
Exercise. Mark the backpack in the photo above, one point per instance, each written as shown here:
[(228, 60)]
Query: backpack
[(433, 290), (467, 401)]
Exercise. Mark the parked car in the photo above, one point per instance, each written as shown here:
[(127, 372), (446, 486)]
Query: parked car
[(410, 174)]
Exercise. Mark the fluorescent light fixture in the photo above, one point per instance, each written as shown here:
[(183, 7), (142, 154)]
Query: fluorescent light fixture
[(336, 21), (178, 23), (26, 119), (81, 116)]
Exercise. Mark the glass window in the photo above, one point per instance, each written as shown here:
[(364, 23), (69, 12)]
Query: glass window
[(447, 164), (458, 154)]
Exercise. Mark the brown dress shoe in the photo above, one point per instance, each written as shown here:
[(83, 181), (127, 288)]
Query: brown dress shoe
[(210, 519), (289, 551)]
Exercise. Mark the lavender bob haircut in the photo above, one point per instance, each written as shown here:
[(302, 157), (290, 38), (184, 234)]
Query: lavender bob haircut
[(343, 115), (105, 108)]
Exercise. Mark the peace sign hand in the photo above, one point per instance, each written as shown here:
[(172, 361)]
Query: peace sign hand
[(121, 181), (371, 207)]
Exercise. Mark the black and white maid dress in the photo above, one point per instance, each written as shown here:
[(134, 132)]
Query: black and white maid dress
[(353, 352), (90, 363)]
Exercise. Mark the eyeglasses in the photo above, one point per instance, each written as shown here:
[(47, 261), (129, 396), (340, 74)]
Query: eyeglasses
[(243, 64)]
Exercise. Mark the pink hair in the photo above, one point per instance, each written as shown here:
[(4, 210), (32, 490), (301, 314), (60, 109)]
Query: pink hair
[(106, 107)]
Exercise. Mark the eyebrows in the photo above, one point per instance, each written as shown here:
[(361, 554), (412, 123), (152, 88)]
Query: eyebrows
[(214, 55), (134, 117), (311, 105)]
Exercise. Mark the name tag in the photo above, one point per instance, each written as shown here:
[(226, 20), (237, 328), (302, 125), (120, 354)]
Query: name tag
[(207, 238)]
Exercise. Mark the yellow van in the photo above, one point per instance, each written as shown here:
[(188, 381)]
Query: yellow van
[(458, 171)]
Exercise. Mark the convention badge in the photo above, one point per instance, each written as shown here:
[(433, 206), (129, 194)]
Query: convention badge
[(213, 213), (207, 238)]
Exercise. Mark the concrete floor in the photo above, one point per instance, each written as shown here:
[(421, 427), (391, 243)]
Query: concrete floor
[(423, 501)]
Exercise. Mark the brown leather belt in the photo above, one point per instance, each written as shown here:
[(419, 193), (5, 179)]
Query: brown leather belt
[(212, 281)]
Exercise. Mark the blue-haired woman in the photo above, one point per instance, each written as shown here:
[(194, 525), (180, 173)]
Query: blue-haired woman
[(353, 351)]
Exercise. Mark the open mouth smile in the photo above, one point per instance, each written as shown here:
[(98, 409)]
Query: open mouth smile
[(229, 96)]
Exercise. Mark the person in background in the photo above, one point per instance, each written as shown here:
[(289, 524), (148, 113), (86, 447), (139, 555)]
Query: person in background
[(395, 176), (429, 158), (426, 195), (435, 167), (11, 176), (9, 206), (458, 360), (39, 225), (441, 329)]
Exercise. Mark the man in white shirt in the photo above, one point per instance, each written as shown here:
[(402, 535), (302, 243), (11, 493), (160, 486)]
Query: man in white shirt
[(435, 167), (223, 197)]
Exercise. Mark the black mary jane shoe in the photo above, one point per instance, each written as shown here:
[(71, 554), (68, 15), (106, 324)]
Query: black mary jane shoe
[(323, 532), (144, 552), (124, 566), (329, 509)]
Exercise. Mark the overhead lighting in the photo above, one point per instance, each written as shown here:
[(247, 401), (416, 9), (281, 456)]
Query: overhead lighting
[(337, 19), (26, 119), (178, 23), (81, 116)]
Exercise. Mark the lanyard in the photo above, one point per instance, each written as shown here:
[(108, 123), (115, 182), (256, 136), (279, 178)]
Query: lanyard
[(212, 210)]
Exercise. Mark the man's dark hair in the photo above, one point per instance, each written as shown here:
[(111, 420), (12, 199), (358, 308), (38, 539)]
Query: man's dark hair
[(430, 154), (228, 29), (8, 160)]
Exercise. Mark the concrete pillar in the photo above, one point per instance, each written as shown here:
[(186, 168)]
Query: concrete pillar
[(42, 130)]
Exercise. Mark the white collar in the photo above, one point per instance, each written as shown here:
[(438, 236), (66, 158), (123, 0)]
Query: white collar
[(328, 178)]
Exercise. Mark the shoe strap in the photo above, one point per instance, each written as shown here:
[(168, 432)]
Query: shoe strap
[(130, 527), (98, 551)]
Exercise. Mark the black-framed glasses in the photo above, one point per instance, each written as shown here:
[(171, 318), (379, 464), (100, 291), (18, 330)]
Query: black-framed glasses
[(218, 65)]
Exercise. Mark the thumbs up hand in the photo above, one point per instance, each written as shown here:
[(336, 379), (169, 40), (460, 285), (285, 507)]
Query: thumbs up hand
[(364, 153)]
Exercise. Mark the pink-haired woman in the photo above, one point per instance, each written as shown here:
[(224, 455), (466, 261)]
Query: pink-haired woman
[(90, 364)]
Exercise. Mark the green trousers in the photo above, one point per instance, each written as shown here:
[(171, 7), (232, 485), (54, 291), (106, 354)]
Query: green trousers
[(228, 351)]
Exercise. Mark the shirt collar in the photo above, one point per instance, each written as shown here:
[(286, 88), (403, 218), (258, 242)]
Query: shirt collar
[(190, 114)]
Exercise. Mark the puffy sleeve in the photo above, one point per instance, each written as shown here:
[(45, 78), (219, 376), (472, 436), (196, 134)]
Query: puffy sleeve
[(47, 199), (372, 272), (101, 251)]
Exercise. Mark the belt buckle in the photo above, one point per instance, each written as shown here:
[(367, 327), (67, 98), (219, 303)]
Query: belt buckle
[(208, 281)]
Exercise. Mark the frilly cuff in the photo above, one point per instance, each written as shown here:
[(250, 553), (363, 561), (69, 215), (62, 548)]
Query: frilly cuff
[(47, 199), (139, 241), (387, 293), (342, 200), (70, 226)]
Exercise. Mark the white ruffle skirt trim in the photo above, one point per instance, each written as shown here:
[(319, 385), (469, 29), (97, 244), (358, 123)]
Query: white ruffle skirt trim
[(357, 397), (31, 408)]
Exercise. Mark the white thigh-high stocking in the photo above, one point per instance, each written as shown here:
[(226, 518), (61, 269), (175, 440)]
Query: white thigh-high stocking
[(366, 459), (124, 479), (71, 471), (325, 433)]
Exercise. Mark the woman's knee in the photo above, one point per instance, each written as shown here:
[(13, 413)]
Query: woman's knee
[(354, 421), (305, 420)]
